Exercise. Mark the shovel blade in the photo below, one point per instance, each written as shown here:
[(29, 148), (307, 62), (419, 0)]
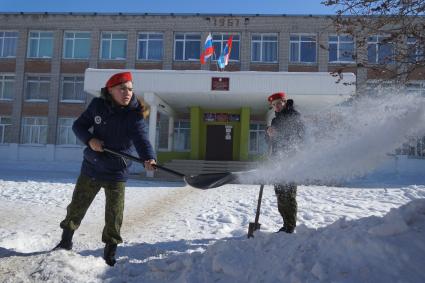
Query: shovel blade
[(252, 227), (209, 181)]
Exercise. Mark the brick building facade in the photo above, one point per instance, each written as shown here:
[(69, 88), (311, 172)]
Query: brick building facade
[(43, 57)]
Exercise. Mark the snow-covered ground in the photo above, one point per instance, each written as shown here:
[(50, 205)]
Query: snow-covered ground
[(174, 233)]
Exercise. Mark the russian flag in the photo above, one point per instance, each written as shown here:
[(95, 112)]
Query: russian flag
[(223, 60), (208, 49)]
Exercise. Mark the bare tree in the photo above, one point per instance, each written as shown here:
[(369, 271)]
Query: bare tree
[(392, 32)]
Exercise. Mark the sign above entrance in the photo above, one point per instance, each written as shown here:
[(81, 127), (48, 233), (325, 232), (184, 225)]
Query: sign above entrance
[(220, 83), (221, 117)]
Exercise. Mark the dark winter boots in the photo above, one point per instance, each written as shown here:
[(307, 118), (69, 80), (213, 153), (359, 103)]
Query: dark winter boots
[(109, 254), (286, 229), (66, 241)]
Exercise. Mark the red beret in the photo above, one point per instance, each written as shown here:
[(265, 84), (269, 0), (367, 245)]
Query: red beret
[(277, 95), (119, 79)]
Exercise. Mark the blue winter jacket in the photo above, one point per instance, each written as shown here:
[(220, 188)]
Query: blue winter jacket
[(119, 127)]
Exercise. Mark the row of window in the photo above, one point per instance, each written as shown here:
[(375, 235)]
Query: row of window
[(376, 87), (34, 131), (187, 46), (37, 88), (413, 147)]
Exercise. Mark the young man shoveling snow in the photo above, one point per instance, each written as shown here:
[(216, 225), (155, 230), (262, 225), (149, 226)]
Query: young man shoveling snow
[(117, 119)]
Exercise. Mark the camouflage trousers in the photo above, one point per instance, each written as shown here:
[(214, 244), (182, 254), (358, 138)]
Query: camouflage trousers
[(84, 193), (287, 204)]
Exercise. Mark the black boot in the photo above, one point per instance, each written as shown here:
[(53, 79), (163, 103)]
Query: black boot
[(109, 254), (66, 242), (286, 229)]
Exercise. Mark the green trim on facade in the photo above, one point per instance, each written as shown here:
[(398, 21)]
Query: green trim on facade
[(244, 134), (258, 157), (170, 155)]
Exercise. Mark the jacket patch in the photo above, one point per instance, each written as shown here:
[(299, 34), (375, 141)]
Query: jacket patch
[(98, 119)]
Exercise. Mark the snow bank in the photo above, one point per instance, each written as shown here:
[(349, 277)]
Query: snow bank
[(372, 249)]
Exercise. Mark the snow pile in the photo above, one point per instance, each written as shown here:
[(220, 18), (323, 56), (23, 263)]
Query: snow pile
[(349, 141), (373, 249)]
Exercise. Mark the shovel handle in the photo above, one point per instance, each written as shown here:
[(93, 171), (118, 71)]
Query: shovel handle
[(131, 157), (254, 226), (260, 197), (171, 171)]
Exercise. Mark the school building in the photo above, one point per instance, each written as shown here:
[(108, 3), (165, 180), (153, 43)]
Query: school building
[(51, 65)]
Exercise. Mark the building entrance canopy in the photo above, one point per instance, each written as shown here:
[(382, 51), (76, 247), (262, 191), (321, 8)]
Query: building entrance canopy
[(181, 89)]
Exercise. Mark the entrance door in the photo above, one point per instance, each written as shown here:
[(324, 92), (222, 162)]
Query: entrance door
[(219, 142)]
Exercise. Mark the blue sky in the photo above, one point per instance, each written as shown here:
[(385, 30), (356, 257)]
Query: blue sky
[(169, 6)]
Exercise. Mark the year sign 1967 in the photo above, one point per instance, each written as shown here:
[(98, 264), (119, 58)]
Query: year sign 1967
[(226, 22)]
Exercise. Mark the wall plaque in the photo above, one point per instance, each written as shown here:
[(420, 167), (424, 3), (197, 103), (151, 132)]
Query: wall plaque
[(219, 83)]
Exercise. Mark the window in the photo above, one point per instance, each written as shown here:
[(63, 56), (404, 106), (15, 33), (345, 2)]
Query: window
[(34, 130), (37, 88), (114, 46), (379, 50), (5, 129), (303, 48), (40, 44), (257, 141), (73, 89), (76, 45), (264, 48), (377, 87), (187, 46), (65, 133), (162, 133), (420, 147), (7, 87), (8, 44), (414, 147), (219, 42), (181, 137), (341, 49), (415, 50), (150, 46), (416, 88)]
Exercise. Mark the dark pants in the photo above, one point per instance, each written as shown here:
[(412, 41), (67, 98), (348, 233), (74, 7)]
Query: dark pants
[(287, 204), (84, 193)]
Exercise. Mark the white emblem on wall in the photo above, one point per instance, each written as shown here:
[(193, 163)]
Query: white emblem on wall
[(97, 120)]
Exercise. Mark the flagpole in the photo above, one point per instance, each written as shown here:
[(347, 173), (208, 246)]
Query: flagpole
[(216, 61)]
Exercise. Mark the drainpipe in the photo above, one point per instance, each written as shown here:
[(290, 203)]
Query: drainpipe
[(170, 132), (152, 130)]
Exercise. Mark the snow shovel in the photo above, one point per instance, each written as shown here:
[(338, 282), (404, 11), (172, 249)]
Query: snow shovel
[(201, 181), (253, 226)]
